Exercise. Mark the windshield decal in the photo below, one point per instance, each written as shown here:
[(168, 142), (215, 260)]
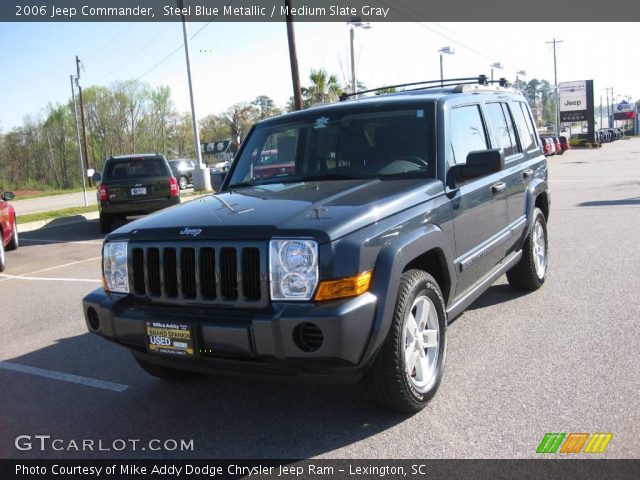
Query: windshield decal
[(321, 122)]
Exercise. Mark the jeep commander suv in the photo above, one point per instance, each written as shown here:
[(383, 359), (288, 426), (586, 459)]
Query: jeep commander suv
[(391, 215)]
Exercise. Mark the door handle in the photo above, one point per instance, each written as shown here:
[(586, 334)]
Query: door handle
[(498, 187), (527, 173)]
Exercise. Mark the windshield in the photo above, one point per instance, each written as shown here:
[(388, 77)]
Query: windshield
[(338, 145)]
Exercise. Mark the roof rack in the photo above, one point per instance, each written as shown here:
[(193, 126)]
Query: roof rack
[(459, 83)]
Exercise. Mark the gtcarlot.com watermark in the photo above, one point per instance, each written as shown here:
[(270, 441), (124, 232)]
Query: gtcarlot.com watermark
[(47, 443)]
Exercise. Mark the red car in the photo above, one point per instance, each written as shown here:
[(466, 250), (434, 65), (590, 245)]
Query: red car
[(548, 146), (564, 143), (558, 144), (8, 228)]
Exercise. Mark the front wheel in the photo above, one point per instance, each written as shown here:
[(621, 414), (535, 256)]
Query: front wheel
[(531, 271), (409, 368)]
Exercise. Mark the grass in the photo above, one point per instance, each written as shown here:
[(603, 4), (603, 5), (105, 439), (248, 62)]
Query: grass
[(63, 212), (45, 193)]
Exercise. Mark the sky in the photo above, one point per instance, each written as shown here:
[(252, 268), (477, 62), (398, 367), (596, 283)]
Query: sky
[(235, 62)]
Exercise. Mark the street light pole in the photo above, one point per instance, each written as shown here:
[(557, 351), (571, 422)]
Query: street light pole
[(354, 23), (518, 73), (555, 76), (75, 116), (443, 50), (497, 66), (201, 178)]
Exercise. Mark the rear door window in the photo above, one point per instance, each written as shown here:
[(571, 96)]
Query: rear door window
[(502, 127), (467, 132), (526, 129)]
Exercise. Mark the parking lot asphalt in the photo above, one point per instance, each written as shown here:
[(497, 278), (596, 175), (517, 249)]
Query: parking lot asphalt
[(562, 359)]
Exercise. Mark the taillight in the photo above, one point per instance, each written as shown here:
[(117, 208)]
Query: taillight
[(104, 193), (173, 187)]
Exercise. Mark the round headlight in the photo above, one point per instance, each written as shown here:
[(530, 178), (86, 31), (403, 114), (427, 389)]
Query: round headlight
[(295, 285), (297, 256)]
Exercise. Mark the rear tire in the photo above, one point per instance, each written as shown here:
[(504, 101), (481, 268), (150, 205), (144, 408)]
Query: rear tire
[(409, 368), (15, 241), (530, 272), (3, 257), (105, 223), (165, 373)]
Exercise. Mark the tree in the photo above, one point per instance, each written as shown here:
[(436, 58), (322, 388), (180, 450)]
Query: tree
[(240, 116), (161, 108), (214, 127), (323, 88), (266, 106)]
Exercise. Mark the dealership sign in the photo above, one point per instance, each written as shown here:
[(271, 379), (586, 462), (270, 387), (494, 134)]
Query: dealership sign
[(576, 100)]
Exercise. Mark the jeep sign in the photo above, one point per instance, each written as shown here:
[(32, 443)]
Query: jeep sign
[(573, 96), (576, 102)]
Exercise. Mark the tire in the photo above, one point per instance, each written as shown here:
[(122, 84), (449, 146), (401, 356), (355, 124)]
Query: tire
[(3, 257), (105, 223), (183, 182), (15, 239), (530, 272), (389, 381), (165, 373)]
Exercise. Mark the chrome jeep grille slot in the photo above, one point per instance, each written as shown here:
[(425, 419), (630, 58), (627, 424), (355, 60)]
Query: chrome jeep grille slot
[(188, 272), (229, 273), (137, 260), (207, 272), (251, 273), (153, 272), (170, 271)]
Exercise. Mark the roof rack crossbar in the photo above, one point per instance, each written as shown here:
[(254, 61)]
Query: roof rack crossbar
[(481, 79)]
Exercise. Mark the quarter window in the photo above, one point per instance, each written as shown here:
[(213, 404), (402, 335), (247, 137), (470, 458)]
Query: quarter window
[(526, 130), (467, 132)]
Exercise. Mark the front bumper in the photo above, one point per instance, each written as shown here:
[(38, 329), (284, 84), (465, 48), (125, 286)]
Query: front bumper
[(236, 341)]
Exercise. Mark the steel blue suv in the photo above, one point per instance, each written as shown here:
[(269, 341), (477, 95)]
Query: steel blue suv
[(390, 216)]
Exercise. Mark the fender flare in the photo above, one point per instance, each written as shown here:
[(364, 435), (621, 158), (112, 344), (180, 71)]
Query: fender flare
[(386, 279), (534, 189)]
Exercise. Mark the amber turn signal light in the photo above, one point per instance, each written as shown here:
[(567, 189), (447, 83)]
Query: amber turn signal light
[(344, 287)]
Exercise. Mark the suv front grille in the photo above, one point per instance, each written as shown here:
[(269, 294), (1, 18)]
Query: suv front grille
[(202, 272)]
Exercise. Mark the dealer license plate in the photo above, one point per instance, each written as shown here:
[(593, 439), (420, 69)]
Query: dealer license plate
[(139, 191), (169, 338)]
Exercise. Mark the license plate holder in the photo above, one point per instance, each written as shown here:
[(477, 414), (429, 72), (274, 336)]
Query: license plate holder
[(139, 191), (170, 339)]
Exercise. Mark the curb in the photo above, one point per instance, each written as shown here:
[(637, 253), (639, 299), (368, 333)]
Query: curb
[(74, 219), (57, 222)]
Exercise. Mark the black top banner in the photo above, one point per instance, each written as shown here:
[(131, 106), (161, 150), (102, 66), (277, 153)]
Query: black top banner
[(312, 10)]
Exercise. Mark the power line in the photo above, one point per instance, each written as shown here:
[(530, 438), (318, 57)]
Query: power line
[(117, 35)]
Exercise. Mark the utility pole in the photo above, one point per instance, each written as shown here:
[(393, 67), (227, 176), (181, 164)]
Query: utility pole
[(293, 58), (609, 89), (601, 111), (84, 125), (201, 177), (555, 77), (82, 170)]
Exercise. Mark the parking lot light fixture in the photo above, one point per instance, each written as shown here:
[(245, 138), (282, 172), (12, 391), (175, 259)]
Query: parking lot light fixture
[(497, 66), (442, 51)]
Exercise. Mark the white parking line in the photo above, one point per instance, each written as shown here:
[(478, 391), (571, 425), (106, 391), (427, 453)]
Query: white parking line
[(25, 275), (65, 377), (47, 279), (86, 242)]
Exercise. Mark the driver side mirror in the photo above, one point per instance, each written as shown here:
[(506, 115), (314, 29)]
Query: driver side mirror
[(479, 163), (6, 196)]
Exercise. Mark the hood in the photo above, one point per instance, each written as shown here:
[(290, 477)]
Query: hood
[(324, 210)]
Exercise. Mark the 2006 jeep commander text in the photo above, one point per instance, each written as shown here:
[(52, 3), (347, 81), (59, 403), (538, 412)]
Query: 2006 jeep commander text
[(389, 215)]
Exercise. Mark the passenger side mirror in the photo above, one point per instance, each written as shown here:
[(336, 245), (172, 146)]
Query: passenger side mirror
[(96, 177), (6, 196), (479, 164)]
